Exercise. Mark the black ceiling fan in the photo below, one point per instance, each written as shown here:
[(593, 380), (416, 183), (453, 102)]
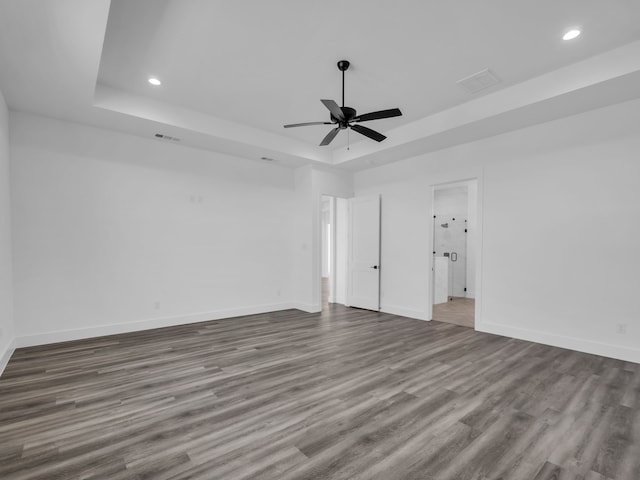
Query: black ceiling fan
[(346, 117)]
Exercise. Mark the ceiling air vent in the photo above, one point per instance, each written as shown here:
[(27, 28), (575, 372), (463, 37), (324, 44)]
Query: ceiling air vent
[(479, 81), (167, 137)]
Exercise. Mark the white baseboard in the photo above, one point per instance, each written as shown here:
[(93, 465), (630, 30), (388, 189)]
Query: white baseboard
[(306, 307), (404, 312), (137, 325), (571, 343), (6, 355)]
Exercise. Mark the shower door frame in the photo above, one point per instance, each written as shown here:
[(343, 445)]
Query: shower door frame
[(452, 264)]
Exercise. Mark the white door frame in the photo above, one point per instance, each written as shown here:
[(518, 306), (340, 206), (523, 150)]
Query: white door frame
[(477, 243)]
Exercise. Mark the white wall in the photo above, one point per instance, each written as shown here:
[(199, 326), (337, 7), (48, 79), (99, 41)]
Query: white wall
[(6, 280), (115, 233), (559, 255)]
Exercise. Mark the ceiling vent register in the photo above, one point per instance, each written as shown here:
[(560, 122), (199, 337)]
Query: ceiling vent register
[(167, 137), (479, 81)]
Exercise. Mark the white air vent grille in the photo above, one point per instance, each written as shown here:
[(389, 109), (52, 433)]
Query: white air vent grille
[(167, 137), (479, 81)]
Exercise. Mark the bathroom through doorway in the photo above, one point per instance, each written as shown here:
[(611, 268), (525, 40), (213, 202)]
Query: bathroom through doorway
[(454, 255)]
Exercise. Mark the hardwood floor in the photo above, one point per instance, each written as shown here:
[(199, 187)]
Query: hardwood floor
[(347, 394), (459, 311)]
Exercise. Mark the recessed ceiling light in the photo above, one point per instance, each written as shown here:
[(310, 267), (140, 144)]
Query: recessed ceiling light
[(571, 34), (154, 81)]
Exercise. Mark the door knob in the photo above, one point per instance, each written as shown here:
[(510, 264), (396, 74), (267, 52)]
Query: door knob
[(375, 267)]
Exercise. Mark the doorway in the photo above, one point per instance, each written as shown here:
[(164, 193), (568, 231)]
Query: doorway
[(333, 250), (454, 259)]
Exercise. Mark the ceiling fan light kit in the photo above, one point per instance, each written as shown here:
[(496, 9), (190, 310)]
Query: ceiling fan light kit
[(347, 117)]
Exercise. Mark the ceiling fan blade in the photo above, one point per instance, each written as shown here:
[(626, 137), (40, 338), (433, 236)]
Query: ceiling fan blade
[(335, 110), (329, 138), (308, 123), (393, 112), (367, 132)]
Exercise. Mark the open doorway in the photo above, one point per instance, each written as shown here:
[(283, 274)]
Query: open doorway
[(454, 253), (333, 250)]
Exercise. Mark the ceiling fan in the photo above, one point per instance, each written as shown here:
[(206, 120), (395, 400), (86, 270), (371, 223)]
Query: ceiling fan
[(346, 117)]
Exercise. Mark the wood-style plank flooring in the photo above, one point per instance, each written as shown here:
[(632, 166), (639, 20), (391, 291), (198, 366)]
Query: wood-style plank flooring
[(458, 310), (347, 394)]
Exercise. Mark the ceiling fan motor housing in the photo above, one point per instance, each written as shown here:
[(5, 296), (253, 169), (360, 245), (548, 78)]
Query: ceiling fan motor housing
[(349, 114)]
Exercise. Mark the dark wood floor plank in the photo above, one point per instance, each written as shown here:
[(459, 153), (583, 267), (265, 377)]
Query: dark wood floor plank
[(345, 394)]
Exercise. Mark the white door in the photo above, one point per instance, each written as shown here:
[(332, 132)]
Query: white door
[(363, 283)]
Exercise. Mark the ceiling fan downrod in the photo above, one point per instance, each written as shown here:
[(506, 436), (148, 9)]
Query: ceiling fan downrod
[(343, 66)]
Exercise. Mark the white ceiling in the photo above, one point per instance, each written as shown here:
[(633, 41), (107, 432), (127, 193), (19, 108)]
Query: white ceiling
[(234, 72)]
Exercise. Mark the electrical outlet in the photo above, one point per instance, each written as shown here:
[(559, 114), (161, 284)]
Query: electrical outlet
[(621, 328)]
